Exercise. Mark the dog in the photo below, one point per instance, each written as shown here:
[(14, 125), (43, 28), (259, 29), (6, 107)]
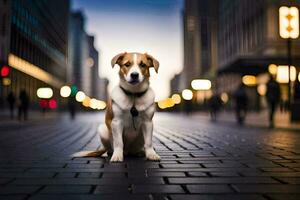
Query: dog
[(128, 127)]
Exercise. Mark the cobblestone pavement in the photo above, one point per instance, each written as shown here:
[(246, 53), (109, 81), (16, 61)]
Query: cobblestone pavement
[(200, 160)]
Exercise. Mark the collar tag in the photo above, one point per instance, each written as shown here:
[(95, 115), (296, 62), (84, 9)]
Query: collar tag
[(134, 112)]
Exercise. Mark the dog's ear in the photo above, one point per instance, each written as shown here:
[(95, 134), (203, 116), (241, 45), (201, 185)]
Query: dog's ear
[(117, 59), (153, 62)]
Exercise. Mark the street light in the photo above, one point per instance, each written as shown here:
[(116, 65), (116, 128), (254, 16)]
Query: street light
[(187, 94), (201, 84), (289, 29), (80, 96), (176, 98), (284, 75), (249, 80), (65, 91), (272, 69), (44, 93)]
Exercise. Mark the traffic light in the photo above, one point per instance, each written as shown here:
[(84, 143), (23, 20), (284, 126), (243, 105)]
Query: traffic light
[(5, 71)]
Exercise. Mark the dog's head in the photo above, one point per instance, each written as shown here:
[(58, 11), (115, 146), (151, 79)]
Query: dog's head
[(135, 67)]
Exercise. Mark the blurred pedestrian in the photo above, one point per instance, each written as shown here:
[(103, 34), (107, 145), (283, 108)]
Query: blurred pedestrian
[(215, 104), (241, 103), (23, 105), (72, 107), (297, 91), (273, 98), (11, 99)]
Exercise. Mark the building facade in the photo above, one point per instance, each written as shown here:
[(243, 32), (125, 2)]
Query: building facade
[(98, 85), (34, 43), (200, 40), (79, 71), (249, 39)]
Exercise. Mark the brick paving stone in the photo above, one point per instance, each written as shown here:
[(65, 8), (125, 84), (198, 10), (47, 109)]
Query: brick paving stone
[(157, 189), (220, 180), (12, 189), (13, 197), (166, 174), (197, 174), (217, 197), (104, 189), (4, 180), (290, 180), (284, 196), (89, 197), (66, 175), (89, 175), (273, 188), (209, 189), (114, 175), (66, 189), (224, 174)]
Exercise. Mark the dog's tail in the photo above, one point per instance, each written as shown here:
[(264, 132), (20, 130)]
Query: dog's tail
[(96, 153)]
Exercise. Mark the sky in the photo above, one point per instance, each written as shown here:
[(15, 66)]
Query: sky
[(146, 26)]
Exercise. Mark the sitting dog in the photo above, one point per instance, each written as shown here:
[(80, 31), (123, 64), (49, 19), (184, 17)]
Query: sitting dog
[(128, 127)]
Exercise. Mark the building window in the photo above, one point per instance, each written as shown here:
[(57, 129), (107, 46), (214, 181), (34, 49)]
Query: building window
[(3, 28)]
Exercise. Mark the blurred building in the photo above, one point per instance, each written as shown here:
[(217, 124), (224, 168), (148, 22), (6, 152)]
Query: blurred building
[(79, 71), (33, 41), (175, 84), (249, 41), (200, 40), (228, 39), (98, 85), (83, 69)]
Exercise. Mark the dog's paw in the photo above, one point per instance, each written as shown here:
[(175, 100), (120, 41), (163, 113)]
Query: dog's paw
[(152, 155), (117, 156)]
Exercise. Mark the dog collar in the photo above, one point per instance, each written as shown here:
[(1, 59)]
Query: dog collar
[(135, 94)]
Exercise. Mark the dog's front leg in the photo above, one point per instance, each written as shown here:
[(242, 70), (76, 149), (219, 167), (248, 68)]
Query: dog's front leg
[(148, 133), (117, 132)]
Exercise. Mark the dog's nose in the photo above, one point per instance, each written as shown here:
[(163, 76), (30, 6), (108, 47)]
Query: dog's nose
[(134, 75)]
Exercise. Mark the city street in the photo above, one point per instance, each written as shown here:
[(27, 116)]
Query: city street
[(200, 160)]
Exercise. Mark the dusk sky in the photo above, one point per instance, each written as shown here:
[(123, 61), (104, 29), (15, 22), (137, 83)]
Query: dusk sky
[(152, 26)]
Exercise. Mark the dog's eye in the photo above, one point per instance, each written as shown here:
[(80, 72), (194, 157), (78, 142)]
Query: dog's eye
[(127, 64), (143, 65)]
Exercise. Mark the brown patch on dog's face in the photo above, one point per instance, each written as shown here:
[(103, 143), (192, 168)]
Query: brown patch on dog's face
[(135, 67)]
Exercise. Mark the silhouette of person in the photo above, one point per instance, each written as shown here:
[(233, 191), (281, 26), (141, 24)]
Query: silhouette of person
[(72, 107), (241, 103), (297, 91), (23, 106), (273, 98), (11, 99), (215, 104)]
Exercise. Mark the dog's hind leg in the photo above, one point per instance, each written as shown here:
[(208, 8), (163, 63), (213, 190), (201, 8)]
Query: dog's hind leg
[(105, 137)]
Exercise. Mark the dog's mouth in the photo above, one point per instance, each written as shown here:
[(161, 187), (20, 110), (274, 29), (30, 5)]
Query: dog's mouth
[(134, 82)]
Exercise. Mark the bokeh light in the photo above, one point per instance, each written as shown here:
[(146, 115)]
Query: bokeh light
[(176, 98), (201, 84), (65, 91), (86, 101), (52, 104), (187, 94), (80, 96), (272, 69), (44, 93), (249, 80), (262, 89)]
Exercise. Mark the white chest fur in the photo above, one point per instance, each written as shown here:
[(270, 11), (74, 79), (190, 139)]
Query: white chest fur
[(122, 103)]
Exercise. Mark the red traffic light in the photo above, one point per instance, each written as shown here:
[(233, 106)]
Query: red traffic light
[(5, 71)]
